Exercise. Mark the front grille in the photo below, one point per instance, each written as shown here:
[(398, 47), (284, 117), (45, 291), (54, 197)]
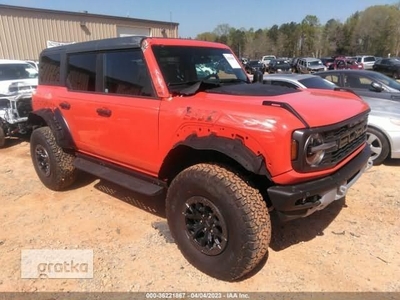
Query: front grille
[(339, 141), (348, 138)]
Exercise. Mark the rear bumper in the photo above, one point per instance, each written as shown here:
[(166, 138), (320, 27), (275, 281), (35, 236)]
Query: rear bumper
[(301, 200)]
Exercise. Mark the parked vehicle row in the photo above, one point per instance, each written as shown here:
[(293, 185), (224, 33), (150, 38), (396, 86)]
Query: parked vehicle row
[(306, 65)]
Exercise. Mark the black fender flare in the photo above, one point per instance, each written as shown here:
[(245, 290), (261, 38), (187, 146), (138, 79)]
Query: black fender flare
[(233, 148), (55, 120)]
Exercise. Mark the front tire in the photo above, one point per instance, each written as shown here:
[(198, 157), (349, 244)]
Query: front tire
[(379, 145), (219, 222), (53, 166)]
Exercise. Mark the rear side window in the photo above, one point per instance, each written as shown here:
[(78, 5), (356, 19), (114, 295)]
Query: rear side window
[(332, 78), (369, 58), (81, 72), (126, 73), (49, 69)]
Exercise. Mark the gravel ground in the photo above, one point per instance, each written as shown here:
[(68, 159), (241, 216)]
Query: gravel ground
[(352, 245)]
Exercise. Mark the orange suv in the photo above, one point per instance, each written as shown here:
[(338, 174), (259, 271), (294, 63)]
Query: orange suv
[(146, 114)]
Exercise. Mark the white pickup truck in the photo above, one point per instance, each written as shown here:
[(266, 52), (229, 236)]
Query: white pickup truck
[(266, 59)]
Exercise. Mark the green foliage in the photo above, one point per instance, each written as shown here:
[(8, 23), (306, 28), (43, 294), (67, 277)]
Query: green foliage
[(375, 31)]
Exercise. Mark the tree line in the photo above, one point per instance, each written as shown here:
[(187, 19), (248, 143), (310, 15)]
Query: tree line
[(374, 31)]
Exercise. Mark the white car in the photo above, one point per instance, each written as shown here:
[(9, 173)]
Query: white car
[(367, 61), (18, 79)]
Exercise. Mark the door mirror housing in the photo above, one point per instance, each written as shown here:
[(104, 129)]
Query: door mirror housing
[(377, 86)]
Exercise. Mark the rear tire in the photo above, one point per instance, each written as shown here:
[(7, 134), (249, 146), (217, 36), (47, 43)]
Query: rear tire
[(219, 222), (2, 138), (379, 145), (53, 166)]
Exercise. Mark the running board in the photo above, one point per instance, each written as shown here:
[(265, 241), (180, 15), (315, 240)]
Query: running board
[(120, 176)]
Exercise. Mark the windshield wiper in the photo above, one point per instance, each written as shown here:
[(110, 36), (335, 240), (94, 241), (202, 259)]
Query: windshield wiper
[(181, 83), (236, 80)]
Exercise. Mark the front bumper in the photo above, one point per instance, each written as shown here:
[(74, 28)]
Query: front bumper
[(301, 200)]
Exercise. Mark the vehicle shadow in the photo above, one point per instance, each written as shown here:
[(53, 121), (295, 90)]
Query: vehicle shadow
[(154, 205), (287, 234), (15, 140), (392, 162), (284, 234), (83, 179)]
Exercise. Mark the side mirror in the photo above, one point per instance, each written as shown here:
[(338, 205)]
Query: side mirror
[(377, 86), (257, 77)]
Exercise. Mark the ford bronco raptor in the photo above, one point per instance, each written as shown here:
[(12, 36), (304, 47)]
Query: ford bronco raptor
[(139, 112)]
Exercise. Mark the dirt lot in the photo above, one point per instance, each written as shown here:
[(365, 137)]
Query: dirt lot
[(353, 245)]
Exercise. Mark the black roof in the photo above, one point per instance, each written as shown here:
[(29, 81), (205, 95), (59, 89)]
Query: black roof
[(96, 45)]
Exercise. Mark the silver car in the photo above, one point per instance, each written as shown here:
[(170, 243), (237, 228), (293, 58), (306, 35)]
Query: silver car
[(383, 131)]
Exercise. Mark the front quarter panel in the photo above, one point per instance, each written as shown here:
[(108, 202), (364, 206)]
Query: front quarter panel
[(266, 131)]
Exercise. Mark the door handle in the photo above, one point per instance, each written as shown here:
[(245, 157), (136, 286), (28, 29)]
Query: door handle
[(65, 105), (103, 112)]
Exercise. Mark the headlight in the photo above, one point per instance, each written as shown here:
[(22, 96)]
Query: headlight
[(314, 152)]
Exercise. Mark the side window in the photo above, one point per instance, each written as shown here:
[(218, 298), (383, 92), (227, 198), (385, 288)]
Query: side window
[(365, 82), (285, 84), (126, 73), (332, 78), (353, 81), (81, 72), (49, 69)]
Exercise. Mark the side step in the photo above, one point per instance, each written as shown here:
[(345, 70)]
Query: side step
[(119, 176)]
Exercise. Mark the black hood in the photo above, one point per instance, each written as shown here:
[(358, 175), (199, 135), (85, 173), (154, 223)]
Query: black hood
[(254, 89)]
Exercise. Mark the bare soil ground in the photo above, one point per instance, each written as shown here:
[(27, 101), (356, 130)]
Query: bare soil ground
[(352, 245)]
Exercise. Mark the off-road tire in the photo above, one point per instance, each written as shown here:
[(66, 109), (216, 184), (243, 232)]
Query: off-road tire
[(242, 216), (379, 145), (2, 137), (53, 166)]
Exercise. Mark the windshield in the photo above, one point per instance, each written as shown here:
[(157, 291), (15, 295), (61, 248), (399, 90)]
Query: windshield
[(282, 63), (17, 71), (254, 63), (183, 65), (386, 80), (315, 63), (317, 83)]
